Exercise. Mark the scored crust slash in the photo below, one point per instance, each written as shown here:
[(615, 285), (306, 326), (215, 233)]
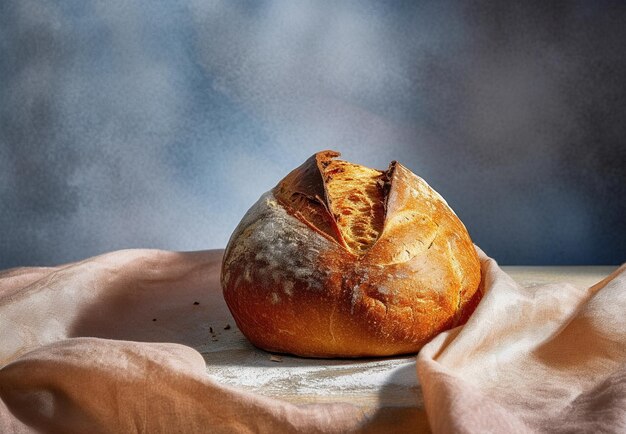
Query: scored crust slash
[(340, 260)]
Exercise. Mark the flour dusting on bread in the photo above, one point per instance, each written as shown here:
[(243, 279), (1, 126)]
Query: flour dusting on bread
[(282, 248)]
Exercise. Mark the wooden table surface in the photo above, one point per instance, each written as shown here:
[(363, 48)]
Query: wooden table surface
[(375, 384)]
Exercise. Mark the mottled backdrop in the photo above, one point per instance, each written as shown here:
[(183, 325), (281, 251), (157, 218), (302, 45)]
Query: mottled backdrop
[(158, 123)]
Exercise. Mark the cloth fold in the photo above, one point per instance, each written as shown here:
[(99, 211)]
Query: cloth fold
[(111, 344), (546, 359)]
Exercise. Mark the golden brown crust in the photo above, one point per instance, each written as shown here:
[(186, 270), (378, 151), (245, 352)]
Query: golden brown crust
[(303, 191), (295, 285)]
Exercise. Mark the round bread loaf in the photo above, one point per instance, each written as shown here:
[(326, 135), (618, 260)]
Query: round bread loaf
[(340, 260)]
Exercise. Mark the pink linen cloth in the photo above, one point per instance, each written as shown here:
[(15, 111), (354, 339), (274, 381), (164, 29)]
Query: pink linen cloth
[(107, 345)]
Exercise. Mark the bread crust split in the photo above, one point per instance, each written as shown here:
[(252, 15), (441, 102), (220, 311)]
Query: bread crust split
[(339, 260)]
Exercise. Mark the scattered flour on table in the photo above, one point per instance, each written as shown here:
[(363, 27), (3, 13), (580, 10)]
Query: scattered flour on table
[(253, 370)]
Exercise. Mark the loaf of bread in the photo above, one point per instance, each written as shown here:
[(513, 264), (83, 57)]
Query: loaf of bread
[(340, 260)]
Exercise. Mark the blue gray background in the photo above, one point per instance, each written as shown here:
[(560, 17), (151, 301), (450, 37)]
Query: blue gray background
[(158, 123)]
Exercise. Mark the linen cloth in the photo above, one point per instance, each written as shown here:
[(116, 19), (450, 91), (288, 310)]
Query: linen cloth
[(107, 345)]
